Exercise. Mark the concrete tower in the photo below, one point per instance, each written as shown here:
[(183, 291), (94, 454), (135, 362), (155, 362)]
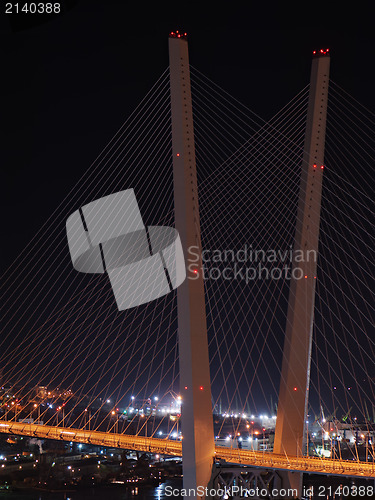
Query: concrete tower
[(295, 373), (198, 446)]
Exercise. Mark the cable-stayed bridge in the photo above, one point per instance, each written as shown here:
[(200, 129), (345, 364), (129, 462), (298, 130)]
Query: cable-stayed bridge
[(63, 334)]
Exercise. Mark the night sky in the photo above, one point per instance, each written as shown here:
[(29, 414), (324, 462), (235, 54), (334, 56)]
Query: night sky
[(69, 81)]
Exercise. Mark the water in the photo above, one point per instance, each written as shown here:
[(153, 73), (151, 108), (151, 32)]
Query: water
[(98, 493)]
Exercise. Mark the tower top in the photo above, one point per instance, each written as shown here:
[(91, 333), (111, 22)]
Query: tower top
[(321, 52), (177, 34)]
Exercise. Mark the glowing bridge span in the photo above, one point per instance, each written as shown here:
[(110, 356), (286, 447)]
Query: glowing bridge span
[(169, 447)]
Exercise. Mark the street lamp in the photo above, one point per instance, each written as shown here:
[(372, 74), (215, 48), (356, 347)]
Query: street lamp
[(264, 438), (87, 420), (115, 414), (307, 438)]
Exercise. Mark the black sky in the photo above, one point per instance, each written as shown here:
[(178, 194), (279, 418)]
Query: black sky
[(69, 83)]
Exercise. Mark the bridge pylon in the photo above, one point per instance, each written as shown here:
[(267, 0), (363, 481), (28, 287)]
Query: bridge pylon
[(290, 432), (198, 447)]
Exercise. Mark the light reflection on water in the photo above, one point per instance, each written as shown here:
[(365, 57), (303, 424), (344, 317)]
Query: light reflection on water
[(112, 493)]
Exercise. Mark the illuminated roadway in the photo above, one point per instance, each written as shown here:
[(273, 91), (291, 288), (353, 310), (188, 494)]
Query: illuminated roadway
[(169, 447)]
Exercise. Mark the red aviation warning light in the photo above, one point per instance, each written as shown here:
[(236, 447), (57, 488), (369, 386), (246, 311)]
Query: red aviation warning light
[(177, 34), (322, 167), (321, 52), (294, 389), (201, 388)]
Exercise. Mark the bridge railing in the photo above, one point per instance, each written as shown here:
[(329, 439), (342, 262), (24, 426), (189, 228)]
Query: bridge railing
[(313, 464), (174, 448)]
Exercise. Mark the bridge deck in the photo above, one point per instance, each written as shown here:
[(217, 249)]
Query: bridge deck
[(169, 447)]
